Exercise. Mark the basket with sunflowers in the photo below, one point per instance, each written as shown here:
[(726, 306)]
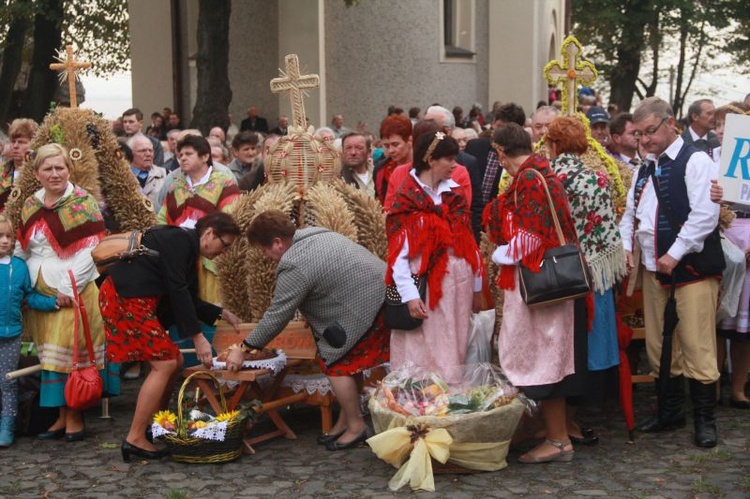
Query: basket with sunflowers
[(193, 436)]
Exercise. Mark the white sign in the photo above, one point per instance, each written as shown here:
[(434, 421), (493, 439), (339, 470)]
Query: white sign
[(734, 168)]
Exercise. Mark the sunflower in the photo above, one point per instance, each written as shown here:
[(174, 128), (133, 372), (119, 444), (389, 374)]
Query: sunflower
[(166, 420), (227, 416)]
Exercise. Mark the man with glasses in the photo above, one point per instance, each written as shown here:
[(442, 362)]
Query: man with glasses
[(670, 218)]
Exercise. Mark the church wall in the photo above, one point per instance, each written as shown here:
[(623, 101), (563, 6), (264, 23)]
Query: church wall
[(253, 58), (151, 56), (520, 44), (382, 52)]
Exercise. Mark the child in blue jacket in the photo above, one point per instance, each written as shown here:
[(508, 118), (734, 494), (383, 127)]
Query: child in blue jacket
[(15, 285)]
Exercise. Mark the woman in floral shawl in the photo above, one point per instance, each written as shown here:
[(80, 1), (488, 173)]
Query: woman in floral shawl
[(429, 231), (589, 195), (60, 224), (542, 350)]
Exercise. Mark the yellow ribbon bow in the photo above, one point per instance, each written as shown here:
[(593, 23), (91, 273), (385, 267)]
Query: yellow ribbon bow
[(409, 448)]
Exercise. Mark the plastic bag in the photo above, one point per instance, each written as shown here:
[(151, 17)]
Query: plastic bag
[(412, 391), (480, 337)]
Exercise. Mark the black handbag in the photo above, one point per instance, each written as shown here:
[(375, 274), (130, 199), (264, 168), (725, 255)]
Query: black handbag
[(396, 314), (562, 275)]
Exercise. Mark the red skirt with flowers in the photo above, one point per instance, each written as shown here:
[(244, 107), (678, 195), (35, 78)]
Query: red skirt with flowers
[(371, 351), (134, 333)]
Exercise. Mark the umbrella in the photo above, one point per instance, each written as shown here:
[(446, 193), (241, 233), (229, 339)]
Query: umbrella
[(624, 335), (670, 323)]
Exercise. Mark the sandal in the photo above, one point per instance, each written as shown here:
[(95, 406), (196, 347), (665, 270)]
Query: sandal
[(563, 456)]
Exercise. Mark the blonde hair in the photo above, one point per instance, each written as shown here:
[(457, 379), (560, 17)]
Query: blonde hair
[(51, 151), (5, 219)]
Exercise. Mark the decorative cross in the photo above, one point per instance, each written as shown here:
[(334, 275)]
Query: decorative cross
[(569, 73), (296, 84), (68, 67)]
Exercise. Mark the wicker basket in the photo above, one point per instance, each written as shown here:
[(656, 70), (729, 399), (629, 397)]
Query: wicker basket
[(187, 449)]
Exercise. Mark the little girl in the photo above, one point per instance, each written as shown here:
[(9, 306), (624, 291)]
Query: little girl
[(15, 285)]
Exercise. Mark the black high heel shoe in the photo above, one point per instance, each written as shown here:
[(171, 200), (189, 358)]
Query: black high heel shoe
[(127, 449), (335, 445), (327, 437)]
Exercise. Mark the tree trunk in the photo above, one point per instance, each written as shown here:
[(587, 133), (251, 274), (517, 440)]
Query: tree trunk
[(213, 93), (47, 39), (12, 59), (624, 75), (678, 95)]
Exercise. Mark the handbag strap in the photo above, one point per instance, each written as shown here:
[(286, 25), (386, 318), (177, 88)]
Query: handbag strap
[(558, 229), (81, 309)]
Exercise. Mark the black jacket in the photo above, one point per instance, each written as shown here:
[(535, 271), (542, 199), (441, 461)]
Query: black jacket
[(480, 148), (172, 276)]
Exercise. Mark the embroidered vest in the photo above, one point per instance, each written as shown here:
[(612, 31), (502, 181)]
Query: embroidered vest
[(673, 193)]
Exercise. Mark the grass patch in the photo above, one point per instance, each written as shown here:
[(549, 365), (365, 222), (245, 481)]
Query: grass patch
[(701, 486), (744, 483), (176, 494), (715, 454)]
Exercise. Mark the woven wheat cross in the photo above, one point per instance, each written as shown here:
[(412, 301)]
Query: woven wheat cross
[(68, 68), (296, 85)]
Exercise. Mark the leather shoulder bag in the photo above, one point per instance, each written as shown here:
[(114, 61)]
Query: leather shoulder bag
[(563, 274)]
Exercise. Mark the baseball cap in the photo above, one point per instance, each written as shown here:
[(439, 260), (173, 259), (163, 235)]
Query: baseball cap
[(596, 114)]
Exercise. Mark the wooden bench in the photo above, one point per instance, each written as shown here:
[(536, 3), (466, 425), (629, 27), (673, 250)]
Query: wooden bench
[(298, 344)]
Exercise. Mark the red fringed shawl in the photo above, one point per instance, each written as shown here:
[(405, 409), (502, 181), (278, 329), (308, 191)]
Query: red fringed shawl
[(522, 211), (432, 230), (73, 223)]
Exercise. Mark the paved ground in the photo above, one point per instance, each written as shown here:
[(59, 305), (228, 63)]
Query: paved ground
[(656, 466)]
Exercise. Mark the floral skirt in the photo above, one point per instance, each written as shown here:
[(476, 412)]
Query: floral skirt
[(134, 333), (371, 351)]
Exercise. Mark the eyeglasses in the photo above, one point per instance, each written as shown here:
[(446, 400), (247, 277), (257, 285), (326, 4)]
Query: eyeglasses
[(650, 131), (223, 242)]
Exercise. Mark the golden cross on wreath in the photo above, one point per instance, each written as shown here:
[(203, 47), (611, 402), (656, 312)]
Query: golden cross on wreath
[(291, 81), (569, 73), (68, 68)]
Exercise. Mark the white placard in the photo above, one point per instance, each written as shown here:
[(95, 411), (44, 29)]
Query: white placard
[(734, 168)]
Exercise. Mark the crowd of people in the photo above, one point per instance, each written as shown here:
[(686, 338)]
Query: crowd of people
[(442, 180)]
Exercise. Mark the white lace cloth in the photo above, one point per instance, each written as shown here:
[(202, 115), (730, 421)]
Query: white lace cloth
[(213, 431), (275, 364), (312, 383)]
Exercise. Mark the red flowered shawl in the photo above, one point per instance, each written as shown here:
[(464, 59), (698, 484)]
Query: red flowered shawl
[(522, 211), (432, 231), (73, 223)]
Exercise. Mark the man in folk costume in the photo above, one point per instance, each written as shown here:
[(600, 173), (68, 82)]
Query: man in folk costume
[(672, 190), (197, 190)]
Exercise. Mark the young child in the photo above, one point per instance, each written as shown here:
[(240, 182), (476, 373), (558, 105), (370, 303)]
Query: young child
[(15, 285)]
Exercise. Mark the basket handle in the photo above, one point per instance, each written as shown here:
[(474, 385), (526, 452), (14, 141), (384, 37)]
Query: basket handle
[(185, 383)]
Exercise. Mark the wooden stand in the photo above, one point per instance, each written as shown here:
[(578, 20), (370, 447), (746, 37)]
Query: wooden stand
[(298, 344)]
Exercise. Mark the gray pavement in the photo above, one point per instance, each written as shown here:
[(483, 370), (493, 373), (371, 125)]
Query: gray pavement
[(666, 465)]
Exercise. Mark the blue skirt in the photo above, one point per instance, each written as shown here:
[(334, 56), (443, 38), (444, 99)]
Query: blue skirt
[(603, 348)]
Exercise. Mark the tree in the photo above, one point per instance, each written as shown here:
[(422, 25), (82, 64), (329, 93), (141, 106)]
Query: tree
[(213, 93), (625, 34), (32, 31)]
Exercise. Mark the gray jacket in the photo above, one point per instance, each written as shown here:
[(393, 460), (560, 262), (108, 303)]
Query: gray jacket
[(329, 279)]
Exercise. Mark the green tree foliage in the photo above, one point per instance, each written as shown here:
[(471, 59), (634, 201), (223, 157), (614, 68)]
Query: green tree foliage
[(628, 37), (32, 31)]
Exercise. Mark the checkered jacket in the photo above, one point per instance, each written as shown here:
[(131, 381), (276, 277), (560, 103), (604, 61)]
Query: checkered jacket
[(328, 278)]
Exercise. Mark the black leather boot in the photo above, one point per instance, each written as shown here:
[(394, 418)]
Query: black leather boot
[(704, 398), (672, 415)]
